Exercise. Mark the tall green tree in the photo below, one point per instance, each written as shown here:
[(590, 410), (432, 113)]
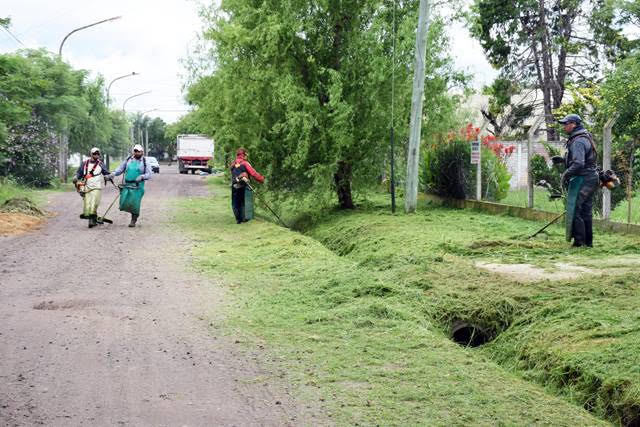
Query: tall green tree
[(158, 143), (41, 97), (546, 43), (620, 94), (306, 86)]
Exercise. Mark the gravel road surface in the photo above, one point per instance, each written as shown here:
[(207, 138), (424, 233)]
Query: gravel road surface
[(111, 326)]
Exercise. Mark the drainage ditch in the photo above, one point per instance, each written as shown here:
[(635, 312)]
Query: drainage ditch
[(469, 334)]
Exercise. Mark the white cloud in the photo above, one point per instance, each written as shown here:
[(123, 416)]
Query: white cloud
[(150, 38)]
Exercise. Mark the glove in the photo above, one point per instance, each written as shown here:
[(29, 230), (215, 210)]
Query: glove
[(139, 178), (557, 160), (565, 179), (75, 180)]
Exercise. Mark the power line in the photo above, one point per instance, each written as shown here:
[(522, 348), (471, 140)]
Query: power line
[(14, 37)]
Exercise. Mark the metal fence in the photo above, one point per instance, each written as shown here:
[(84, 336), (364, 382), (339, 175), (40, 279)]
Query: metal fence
[(523, 192)]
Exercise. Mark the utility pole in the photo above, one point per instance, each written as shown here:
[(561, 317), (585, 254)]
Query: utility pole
[(413, 157)]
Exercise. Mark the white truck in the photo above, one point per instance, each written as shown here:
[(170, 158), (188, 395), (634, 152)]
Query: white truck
[(194, 153)]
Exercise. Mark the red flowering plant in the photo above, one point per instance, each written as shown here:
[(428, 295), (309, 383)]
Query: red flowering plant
[(501, 151), (448, 170)]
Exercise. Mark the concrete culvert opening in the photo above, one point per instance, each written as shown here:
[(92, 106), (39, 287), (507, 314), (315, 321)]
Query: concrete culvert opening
[(469, 334)]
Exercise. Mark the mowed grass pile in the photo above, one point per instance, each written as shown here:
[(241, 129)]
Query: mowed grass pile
[(580, 338), (10, 189), (364, 343)]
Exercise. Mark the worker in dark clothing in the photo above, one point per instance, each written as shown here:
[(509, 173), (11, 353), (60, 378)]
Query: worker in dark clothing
[(241, 172), (581, 179)]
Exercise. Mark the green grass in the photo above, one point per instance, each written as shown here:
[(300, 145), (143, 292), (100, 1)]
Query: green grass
[(581, 338), (620, 213), (10, 189), (541, 200), (357, 312)]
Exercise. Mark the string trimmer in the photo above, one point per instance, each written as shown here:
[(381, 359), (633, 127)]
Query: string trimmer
[(266, 204), (102, 219), (553, 194)]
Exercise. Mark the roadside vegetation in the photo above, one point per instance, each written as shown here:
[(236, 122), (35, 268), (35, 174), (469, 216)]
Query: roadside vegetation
[(358, 310)]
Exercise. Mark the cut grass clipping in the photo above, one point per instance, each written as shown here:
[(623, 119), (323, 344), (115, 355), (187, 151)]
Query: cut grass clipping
[(361, 322)]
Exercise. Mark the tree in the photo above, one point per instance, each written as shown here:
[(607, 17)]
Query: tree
[(620, 94), (545, 43), (508, 108), (158, 142), (305, 86), (40, 97)]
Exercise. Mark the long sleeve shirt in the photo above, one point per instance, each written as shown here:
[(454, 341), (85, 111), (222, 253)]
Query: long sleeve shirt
[(581, 157), (240, 161), (145, 168)]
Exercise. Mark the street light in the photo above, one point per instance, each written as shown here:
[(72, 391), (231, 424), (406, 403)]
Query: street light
[(125, 103), (64, 137), (118, 78), (133, 96), (82, 28)]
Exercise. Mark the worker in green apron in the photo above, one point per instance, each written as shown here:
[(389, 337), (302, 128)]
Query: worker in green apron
[(581, 179), (136, 171)]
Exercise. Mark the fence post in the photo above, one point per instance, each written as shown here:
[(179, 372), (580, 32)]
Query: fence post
[(479, 170), (606, 164), (530, 136)]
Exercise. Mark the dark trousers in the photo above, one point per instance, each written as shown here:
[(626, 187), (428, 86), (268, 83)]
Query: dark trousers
[(237, 203), (582, 227)]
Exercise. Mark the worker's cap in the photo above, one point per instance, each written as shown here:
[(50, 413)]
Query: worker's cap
[(138, 147), (95, 150), (570, 118)]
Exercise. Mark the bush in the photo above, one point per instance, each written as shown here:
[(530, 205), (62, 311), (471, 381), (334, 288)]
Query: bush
[(495, 177), (448, 171), (29, 155)]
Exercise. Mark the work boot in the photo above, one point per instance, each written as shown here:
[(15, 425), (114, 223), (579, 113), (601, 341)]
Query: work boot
[(92, 221), (134, 218)]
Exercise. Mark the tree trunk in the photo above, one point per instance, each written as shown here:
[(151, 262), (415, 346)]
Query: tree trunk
[(342, 179)]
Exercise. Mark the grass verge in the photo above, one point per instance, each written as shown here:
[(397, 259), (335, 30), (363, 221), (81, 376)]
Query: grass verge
[(357, 333), (579, 338)]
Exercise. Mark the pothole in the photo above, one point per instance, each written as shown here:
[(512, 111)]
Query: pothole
[(469, 334), (63, 305)]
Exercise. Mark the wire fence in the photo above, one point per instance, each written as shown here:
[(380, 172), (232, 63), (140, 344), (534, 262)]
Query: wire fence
[(523, 191)]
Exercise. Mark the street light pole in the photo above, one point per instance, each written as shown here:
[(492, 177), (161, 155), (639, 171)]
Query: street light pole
[(63, 137), (125, 103), (133, 96), (146, 132), (118, 78), (82, 28)]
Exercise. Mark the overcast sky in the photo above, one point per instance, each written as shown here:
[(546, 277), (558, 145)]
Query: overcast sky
[(151, 38)]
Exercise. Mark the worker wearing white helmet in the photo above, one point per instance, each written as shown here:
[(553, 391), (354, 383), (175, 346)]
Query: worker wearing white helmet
[(136, 171), (89, 182)]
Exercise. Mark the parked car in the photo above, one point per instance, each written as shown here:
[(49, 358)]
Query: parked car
[(153, 162)]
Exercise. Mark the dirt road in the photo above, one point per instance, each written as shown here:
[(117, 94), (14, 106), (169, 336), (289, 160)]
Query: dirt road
[(109, 326)]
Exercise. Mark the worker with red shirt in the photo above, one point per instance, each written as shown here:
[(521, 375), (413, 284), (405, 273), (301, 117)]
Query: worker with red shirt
[(241, 171)]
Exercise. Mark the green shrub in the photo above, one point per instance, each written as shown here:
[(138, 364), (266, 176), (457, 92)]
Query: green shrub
[(448, 172)]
